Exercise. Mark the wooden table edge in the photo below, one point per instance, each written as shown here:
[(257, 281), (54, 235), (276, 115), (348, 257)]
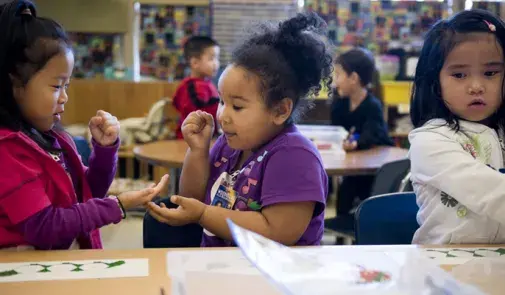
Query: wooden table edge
[(166, 164)]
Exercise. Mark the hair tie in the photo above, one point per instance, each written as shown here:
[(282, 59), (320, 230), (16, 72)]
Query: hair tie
[(26, 11), (492, 27)]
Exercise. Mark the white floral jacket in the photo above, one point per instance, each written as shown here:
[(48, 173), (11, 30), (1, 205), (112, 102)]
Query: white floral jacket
[(459, 181)]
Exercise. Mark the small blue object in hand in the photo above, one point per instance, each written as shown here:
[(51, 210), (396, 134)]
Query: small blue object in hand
[(354, 137)]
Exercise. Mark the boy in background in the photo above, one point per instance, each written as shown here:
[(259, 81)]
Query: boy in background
[(197, 92)]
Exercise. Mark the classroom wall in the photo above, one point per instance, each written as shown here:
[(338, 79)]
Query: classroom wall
[(123, 99), (104, 16), (116, 16)]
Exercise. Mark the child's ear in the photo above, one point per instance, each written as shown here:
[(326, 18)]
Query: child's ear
[(16, 82), (283, 110), (354, 78), (193, 62), (17, 86)]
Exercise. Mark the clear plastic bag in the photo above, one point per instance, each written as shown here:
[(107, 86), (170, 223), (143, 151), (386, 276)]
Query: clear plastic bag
[(347, 270), (485, 273)]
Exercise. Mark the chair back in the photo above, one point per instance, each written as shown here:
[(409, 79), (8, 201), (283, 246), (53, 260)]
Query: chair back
[(388, 219), (389, 177)]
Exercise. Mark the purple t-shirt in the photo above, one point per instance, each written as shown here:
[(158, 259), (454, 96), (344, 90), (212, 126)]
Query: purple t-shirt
[(287, 169)]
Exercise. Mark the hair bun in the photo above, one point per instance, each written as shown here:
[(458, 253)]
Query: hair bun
[(300, 41), (291, 59), (308, 21), (25, 8)]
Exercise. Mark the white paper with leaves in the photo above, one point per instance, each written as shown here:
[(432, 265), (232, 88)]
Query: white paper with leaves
[(72, 270)]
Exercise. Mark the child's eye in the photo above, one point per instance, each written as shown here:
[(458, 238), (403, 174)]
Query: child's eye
[(459, 75), (237, 108), (57, 87), (221, 102), (491, 73)]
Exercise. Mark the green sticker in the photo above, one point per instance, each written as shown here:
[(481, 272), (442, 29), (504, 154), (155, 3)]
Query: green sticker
[(462, 211)]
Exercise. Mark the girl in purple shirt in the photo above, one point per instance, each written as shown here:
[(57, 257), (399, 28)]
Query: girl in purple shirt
[(261, 173)]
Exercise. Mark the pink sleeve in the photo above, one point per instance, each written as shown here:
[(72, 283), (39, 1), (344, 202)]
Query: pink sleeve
[(22, 192)]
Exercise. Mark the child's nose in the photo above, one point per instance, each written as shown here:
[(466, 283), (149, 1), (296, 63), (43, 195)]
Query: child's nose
[(224, 117), (476, 87), (63, 97)]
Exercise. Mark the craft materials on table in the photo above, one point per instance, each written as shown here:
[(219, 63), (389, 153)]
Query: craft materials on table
[(267, 267)]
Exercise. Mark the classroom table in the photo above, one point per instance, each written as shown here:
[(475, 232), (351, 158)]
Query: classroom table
[(150, 285), (171, 153)]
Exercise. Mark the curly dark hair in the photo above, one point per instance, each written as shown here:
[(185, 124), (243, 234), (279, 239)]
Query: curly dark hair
[(290, 59)]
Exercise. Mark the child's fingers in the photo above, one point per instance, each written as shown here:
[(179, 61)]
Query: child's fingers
[(111, 130), (192, 127), (157, 216), (96, 121), (163, 182), (103, 114), (145, 192), (178, 200), (209, 119), (193, 118), (160, 213), (152, 205)]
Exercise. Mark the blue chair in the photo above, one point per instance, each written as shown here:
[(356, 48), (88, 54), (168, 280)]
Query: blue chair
[(82, 148), (388, 219), (389, 179)]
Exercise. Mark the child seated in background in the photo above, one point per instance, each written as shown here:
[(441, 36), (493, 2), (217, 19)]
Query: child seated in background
[(358, 109), (457, 148), (197, 92), (262, 173)]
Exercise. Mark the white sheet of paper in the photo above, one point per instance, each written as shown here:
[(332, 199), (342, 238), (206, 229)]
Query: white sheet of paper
[(73, 270), (351, 270), (224, 272)]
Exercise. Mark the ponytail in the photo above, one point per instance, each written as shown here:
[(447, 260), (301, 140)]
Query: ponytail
[(376, 87)]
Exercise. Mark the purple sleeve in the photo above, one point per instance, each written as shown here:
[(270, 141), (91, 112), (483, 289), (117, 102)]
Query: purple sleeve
[(302, 180), (102, 168), (56, 228)]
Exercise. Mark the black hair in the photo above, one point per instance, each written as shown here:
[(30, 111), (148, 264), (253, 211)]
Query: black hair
[(289, 58), (27, 43), (426, 101), (196, 45), (361, 62)]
